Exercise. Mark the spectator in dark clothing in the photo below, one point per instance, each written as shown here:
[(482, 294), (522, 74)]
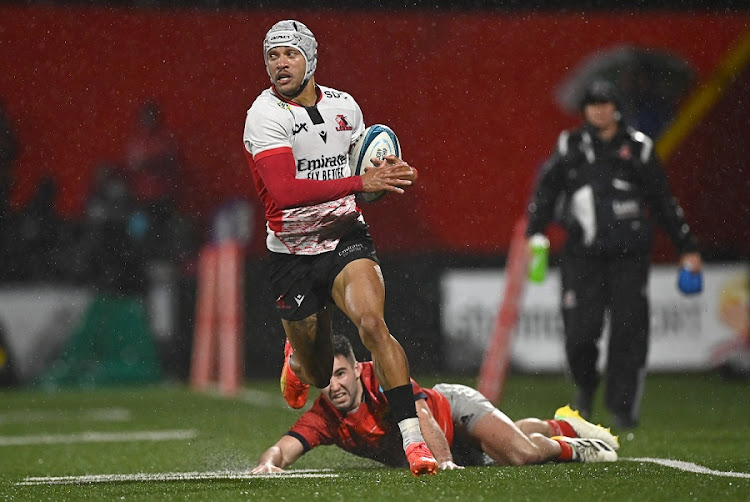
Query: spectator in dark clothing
[(36, 236), (114, 261), (152, 162)]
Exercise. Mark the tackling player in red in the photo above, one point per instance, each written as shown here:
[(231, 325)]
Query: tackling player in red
[(459, 425)]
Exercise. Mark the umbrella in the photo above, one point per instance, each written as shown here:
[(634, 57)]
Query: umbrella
[(651, 83)]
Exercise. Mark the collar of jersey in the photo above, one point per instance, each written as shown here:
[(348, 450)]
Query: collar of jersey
[(282, 98)]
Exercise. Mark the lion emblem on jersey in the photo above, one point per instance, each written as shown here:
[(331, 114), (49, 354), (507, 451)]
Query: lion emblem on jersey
[(343, 123)]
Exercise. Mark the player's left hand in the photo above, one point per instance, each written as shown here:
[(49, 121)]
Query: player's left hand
[(448, 465), (391, 160), (391, 175)]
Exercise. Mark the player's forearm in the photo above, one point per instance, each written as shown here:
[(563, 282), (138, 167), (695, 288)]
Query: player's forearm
[(439, 447), (541, 206), (667, 210), (286, 190), (435, 438)]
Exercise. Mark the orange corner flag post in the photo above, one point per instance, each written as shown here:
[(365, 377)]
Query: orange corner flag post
[(202, 365), (217, 355), (230, 318)]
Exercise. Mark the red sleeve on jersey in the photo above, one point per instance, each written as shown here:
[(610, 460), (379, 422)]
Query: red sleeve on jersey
[(315, 427), (277, 169)]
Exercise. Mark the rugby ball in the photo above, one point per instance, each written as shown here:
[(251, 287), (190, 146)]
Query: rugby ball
[(377, 141)]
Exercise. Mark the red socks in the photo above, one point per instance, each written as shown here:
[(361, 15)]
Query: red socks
[(562, 428), (566, 455)]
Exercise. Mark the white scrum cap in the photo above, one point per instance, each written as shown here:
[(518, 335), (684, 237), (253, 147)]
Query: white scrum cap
[(291, 33)]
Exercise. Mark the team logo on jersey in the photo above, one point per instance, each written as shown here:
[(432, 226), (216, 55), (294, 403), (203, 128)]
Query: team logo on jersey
[(343, 123), (625, 152), (281, 303), (298, 128)]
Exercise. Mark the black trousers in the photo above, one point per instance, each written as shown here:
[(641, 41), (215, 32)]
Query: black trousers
[(591, 287)]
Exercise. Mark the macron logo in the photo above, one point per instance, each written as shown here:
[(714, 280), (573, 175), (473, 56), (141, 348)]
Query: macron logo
[(299, 299)]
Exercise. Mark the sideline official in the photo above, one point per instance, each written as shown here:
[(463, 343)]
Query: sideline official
[(605, 183)]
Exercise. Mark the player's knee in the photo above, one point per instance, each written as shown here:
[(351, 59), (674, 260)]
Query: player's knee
[(372, 330), (321, 377), (317, 372)]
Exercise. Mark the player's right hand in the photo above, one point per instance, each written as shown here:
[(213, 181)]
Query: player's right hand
[(448, 465), (390, 174), (266, 469)]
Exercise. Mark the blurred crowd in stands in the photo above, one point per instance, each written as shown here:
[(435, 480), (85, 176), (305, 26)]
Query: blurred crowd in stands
[(130, 224)]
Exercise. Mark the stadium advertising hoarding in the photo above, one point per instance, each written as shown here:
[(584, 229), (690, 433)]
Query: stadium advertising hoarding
[(686, 332), (37, 321)]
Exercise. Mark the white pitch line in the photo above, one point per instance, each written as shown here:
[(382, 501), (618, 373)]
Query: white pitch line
[(171, 476), (689, 467), (98, 437), (91, 415), (300, 473)]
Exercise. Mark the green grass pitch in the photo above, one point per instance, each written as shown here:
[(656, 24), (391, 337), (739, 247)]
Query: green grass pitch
[(168, 443)]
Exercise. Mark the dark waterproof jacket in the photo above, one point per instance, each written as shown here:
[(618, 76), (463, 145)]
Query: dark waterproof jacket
[(604, 194)]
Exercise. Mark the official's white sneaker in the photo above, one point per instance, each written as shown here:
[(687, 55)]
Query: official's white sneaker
[(589, 450), (586, 429)]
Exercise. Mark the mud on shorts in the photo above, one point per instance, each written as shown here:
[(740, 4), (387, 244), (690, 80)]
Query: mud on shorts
[(467, 407), (301, 284)]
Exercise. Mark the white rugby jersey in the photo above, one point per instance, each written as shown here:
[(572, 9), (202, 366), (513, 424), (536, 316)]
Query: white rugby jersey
[(320, 144)]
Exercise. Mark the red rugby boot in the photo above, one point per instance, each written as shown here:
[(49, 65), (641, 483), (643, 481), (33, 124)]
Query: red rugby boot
[(420, 459), (294, 391)]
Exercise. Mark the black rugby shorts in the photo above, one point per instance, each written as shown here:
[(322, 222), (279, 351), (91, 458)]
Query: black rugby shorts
[(301, 284)]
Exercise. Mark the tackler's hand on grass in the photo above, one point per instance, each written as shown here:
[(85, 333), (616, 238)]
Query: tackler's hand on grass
[(449, 465), (266, 469)]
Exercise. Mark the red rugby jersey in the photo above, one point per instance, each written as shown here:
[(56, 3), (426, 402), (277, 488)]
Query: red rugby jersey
[(369, 431)]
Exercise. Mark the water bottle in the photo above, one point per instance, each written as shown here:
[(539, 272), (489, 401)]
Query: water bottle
[(539, 245), (689, 282)]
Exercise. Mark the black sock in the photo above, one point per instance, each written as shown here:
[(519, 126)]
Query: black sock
[(401, 400)]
